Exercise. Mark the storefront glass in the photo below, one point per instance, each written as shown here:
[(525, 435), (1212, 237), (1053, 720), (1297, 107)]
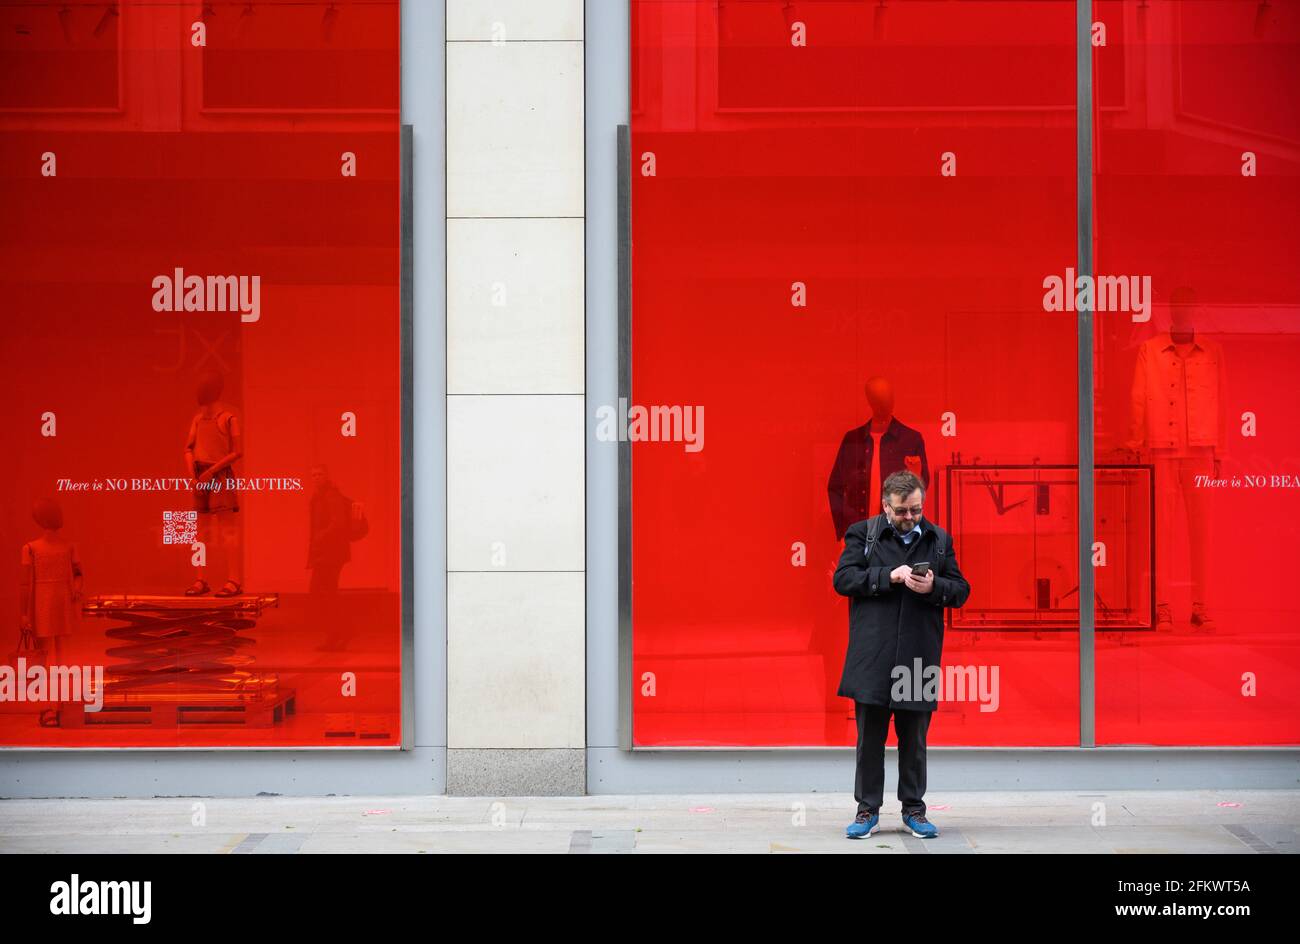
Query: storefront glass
[(200, 374), (851, 218), (1197, 180)]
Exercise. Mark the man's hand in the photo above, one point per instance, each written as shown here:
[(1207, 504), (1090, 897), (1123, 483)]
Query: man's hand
[(899, 573), (919, 584)]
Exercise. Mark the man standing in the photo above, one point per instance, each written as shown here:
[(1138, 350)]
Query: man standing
[(895, 625)]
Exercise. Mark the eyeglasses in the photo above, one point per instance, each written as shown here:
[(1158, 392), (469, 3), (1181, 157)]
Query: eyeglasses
[(906, 512)]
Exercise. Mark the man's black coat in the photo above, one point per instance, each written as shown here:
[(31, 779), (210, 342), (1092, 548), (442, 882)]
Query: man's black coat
[(901, 447), (889, 624)]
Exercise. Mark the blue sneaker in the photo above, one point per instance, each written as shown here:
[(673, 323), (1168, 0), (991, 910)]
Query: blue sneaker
[(921, 827), (863, 825)]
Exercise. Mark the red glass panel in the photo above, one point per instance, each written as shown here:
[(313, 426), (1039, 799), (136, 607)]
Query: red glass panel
[(1198, 191), (797, 229), (101, 378)]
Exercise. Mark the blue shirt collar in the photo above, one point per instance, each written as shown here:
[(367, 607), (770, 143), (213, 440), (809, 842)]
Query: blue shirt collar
[(918, 529)]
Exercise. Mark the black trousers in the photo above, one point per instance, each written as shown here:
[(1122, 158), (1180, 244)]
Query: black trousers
[(873, 727)]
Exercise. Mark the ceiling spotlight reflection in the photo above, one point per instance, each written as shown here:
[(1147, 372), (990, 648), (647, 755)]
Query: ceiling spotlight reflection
[(245, 27), (110, 12), (65, 23), (327, 23), (1263, 18), (787, 10)]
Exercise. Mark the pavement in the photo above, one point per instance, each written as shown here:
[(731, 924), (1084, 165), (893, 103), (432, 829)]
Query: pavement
[(1236, 822)]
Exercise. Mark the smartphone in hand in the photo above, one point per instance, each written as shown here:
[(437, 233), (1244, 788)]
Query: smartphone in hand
[(921, 569)]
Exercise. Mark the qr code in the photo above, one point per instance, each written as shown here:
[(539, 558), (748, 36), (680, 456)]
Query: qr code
[(180, 527)]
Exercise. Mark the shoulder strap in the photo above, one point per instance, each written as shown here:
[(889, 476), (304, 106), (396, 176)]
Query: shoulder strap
[(873, 532), (944, 539)]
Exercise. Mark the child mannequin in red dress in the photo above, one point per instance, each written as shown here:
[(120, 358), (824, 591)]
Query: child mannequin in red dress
[(50, 588)]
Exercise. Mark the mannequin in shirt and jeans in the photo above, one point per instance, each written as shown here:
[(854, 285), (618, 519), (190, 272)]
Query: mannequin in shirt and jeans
[(1179, 423)]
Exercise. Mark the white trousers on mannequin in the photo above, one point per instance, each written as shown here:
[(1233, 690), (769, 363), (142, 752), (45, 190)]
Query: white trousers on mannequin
[(1176, 489)]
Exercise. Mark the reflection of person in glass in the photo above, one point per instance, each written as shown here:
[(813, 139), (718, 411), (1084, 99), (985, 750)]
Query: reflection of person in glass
[(50, 588), (213, 445), (1180, 422), (898, 590), (328, 547), (869, 453)]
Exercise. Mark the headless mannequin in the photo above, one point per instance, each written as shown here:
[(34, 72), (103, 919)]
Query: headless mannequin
[(1183, 340), (1183, 335)]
